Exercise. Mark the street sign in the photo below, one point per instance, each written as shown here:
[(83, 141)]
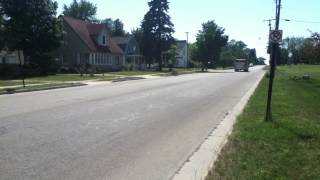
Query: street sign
[(275, 36)]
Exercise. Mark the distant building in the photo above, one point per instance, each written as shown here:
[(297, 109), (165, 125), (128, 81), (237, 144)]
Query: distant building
[(11, 58), (182, 55), (91, 44), (182, 58)]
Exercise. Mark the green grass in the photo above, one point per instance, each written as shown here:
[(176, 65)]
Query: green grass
[(14, 82), (288, 148), (39, 87), (57, 78), (72, 77), (135, 73)]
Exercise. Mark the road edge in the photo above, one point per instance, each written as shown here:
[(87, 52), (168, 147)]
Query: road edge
[(201, 161)]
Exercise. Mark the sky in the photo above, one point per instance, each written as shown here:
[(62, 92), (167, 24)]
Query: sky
[(242, 19)]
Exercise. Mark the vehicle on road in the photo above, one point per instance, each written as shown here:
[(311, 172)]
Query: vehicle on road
[(241, 65)]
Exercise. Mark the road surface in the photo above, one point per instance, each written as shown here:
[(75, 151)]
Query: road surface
[(135, 130)]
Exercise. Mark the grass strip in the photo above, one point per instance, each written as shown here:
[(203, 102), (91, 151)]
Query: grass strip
[(289, 147)]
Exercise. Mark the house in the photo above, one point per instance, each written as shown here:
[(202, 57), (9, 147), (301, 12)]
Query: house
[(90, 44), (11, 58), (182, 51), (131, 51), (9, 63)]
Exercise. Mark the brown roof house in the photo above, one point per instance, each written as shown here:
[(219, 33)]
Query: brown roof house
[(90, 44)]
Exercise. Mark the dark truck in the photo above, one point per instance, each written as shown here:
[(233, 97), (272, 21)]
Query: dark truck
[(241, 65)]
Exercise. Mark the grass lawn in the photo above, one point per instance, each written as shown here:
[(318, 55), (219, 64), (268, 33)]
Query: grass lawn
[(72, 77), (135, 73), (57, 78), (288, 148), (39, 87), (14, 82)]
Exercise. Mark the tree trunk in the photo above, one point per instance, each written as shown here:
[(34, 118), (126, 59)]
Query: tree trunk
[(21, 66)]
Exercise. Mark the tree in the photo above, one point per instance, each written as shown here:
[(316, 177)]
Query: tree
[(194, 55), (83, 10), (116, 27), (226, 58), (300, 50), (261, 61), (173, 53), (316, 41), (157, 31), (238, 49), (32, 27), (252, 56), (2, 35), (210, 41)]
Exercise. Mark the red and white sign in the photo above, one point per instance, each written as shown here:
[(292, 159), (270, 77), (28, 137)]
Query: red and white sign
[(275, 36)]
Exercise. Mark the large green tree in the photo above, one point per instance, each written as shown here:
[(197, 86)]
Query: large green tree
[(210, 41), (157, 31), (32, 27), (83, 10)]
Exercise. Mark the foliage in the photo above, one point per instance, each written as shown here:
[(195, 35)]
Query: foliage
[(226, 58), (116, 26), (261, 61), (300, 50), (252, 56), (2, 35), (238, 49), (210, 41), (83, 10), (32, 26), (173, 55), (157, 31)]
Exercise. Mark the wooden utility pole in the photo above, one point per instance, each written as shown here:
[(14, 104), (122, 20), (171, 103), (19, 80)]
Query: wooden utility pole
[(274, 51), (187, 49)]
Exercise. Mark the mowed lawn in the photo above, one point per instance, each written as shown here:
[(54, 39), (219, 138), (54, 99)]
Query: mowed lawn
[(289, 147)]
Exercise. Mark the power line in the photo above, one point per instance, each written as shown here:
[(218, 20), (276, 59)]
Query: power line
[(302, 21)]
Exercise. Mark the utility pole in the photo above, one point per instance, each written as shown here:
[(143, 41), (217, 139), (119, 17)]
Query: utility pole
[(187, 48), (274, 52)]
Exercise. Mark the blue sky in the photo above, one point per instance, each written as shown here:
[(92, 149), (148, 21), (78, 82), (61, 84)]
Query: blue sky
[(242, 19)]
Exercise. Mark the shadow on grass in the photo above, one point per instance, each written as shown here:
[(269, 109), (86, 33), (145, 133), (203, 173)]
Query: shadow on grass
[(301, 131)]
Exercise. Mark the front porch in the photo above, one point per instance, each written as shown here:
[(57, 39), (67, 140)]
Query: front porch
[(136, 61)]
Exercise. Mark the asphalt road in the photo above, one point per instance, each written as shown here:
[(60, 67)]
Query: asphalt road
[(134, 130)]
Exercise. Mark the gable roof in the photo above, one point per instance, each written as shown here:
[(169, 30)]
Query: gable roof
[(123, 41), (87, 31)]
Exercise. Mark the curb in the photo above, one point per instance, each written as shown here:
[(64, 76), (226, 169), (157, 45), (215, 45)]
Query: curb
[(201, 162)]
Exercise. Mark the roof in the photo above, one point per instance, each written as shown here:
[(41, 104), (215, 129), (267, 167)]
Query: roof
[(86, 31), (122, 40)]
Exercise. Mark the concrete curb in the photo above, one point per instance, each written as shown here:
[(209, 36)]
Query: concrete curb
[(201, 161)]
